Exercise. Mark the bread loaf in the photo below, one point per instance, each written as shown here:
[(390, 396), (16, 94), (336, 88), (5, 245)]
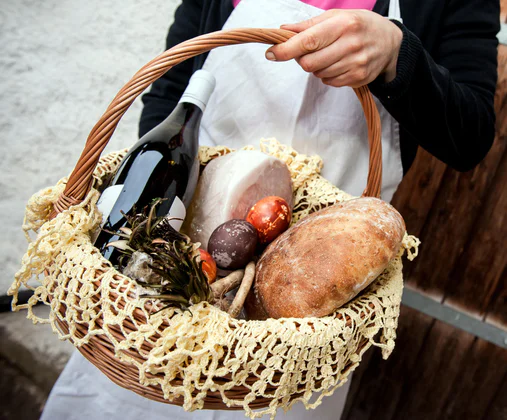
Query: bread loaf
[(326, 259)]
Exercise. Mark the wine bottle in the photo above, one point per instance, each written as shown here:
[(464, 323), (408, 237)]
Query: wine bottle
[(162, 164)]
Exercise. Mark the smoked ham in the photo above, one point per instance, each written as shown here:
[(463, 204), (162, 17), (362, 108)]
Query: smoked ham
[(229, 186)]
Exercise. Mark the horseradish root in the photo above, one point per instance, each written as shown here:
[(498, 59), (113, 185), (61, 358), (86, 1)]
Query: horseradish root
[(246, 285), (225, 285)]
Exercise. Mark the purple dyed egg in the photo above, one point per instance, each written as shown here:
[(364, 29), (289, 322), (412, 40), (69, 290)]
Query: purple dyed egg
[(232, 244)]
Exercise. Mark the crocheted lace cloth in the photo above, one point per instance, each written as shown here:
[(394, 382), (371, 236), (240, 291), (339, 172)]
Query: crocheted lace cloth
[(204, 351)]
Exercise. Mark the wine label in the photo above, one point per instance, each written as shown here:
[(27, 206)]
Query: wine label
[(107, 199), (177, 210)]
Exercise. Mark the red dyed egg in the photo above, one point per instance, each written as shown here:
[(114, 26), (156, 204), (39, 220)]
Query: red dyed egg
[(270, 216), (209, 266)]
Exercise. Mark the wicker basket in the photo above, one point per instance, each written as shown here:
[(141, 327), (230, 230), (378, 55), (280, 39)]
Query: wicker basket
[(108, 344)]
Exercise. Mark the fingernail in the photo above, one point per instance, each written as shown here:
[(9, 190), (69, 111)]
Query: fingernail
[(270, 56)]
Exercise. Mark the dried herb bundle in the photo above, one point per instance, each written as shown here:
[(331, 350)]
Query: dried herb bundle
[(175, 258)]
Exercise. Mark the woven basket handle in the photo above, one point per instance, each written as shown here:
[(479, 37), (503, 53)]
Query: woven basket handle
[(80, 180)]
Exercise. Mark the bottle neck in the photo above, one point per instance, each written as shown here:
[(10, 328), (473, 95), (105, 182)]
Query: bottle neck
[(199, 89), (187, 99)]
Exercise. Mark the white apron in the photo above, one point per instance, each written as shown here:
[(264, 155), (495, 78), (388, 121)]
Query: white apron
[(254, 98)]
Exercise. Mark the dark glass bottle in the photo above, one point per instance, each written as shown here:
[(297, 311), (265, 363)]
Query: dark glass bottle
[(162, 164)]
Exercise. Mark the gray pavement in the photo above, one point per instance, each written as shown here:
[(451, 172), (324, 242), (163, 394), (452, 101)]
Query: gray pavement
[(61, 63), (31, 358)]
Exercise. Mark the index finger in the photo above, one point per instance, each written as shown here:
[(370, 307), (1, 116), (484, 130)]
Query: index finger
[(305, 24), (310, 40)]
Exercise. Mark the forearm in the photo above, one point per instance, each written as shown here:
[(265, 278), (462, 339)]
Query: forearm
[(448, 108)]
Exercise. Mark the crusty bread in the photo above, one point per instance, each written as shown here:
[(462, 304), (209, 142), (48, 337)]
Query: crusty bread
[(326, 259)]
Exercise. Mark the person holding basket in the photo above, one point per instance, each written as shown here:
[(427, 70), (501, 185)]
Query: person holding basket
[(430, 65)]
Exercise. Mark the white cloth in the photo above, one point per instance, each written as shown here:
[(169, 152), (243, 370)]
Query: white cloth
[(82, 392), (257, 98), (254, 98)]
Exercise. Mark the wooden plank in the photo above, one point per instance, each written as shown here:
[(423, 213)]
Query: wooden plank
[(481, 375), (435, 372), (414, 196), (458, 319), (357, 378), (497, 310), (498, 408), (501, 91), (449, 224), (378, 389), (478, 277), (458, 205), (429, 383)]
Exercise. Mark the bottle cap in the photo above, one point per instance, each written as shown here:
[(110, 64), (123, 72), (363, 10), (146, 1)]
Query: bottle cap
[(199, 89)]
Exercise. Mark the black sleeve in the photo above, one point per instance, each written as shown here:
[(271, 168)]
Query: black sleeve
[(166, 91), (445, 102)]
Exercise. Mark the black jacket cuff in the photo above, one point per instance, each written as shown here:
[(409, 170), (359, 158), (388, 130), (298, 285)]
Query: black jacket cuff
[(410, 51)]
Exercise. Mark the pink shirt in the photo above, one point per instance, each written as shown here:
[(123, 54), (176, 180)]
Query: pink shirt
[(334, 4)]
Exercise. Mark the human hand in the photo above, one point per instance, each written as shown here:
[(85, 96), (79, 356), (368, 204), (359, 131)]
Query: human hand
[(343, 47)]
